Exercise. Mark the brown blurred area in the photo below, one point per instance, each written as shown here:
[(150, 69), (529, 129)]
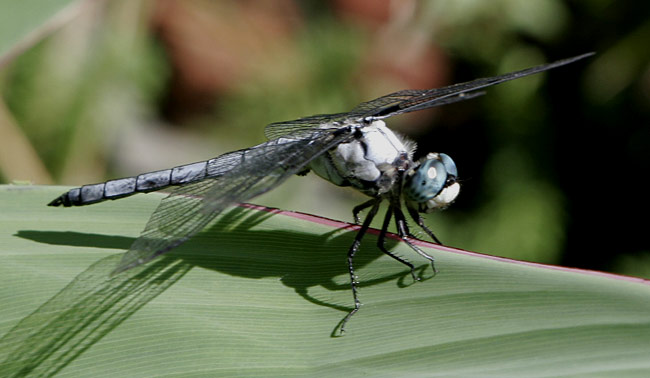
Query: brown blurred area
[(232, 41)]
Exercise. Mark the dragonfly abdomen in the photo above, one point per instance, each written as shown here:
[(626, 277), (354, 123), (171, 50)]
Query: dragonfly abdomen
[(124, 187)]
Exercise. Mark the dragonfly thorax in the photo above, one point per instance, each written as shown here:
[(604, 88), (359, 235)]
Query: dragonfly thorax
[(370, 162)]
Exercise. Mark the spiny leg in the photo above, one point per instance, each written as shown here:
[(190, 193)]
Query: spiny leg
[(404, 233), (420, 221), (351, 252), (381, 243), (359, 208)]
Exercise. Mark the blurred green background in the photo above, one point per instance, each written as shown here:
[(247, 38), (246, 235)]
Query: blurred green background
[(552, 166)]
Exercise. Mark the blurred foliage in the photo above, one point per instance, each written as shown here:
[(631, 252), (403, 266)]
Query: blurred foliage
[(75, 91), (549, 163)]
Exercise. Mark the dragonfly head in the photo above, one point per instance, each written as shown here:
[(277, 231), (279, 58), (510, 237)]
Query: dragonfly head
[(432, 184)]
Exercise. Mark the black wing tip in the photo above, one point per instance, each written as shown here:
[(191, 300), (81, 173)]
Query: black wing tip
[(535, 69), (572, 59), (581, 56)]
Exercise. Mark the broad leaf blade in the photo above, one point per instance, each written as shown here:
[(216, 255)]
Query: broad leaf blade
[(259, 293)]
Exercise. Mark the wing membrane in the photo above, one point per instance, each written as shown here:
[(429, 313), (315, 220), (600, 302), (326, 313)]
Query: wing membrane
[(306, 125), (407, 101), (236, 177)]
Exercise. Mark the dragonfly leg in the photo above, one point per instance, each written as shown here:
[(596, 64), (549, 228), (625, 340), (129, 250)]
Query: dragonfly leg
[(404, 233), (381, 244), (359, 208), (420, 221), (351, 252)]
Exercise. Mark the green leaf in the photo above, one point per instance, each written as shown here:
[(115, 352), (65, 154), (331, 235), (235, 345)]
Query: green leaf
[(261, 292), (23, 22)]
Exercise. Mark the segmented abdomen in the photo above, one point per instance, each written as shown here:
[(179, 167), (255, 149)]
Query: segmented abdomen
[(124, 187)]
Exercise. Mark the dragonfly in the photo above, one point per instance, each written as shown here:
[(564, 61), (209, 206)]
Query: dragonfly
[(354, 149)]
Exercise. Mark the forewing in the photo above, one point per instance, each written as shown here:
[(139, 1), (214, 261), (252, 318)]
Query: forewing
[(412, 100), (247, 173), (304, 127), (404, 102)]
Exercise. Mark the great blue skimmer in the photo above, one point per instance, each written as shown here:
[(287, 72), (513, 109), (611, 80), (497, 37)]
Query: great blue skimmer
[(348, 149)]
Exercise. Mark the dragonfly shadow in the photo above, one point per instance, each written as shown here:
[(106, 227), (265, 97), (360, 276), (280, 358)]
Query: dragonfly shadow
[(94, 303), (233, 246), (77, 239), (302, 260)]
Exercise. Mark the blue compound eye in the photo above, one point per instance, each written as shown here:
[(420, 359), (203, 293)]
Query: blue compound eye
[(450, 166), (428, 180)]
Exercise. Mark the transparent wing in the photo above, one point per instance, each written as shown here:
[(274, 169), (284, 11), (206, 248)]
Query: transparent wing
[(234, 177), (406, 101), (305, 126), (412, 100)]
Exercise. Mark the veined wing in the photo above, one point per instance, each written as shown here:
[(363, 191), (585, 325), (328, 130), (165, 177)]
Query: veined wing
[(303, 127), (236, 177), (406, 101)]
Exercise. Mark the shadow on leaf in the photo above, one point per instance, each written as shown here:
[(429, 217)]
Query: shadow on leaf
[(94, 303)]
